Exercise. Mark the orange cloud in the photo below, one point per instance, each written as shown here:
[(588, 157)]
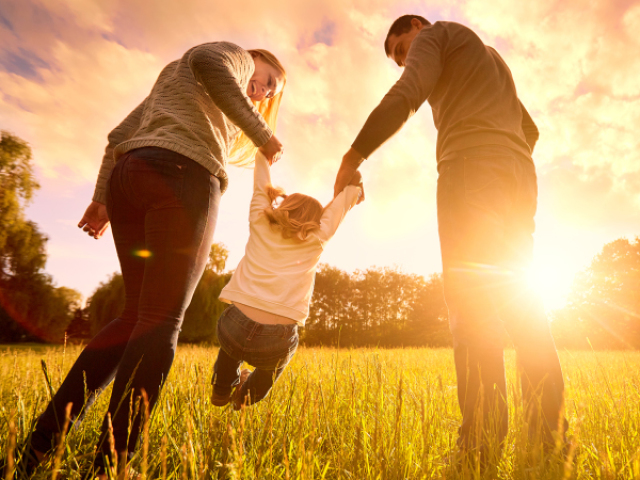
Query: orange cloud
[(70, 71)]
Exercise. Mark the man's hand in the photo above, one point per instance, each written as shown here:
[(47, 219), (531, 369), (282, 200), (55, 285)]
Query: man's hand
[(348, 168), (356, 180), (95, 220), (272, 150)]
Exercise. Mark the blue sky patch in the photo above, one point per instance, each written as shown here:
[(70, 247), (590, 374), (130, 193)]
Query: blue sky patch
[(326, 33), (24, 63), (5, 21)]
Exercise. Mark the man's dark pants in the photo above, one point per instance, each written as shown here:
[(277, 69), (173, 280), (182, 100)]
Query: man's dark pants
[(487, 199)]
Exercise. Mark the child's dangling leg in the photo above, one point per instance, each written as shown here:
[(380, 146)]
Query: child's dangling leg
[(226, 375), (256, 386)]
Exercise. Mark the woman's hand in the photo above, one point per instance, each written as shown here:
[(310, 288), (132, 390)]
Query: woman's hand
[(95, 220), (272, 150)]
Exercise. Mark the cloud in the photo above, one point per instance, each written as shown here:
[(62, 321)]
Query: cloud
[(575, 72), (71, 70), (593, 198), (570, 63), (66, 112)]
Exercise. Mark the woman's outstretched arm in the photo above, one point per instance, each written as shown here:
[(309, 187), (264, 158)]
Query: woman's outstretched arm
[(218, 68)]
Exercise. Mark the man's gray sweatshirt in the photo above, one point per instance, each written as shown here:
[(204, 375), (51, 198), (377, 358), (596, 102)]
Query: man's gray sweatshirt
[(470, 90)]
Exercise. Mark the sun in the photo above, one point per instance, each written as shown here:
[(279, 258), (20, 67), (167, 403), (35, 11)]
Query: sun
[(552, 280)]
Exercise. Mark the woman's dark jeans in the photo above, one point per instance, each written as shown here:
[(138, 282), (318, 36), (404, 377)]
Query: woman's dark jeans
[(163, 209), (269, 348), (487, 200)]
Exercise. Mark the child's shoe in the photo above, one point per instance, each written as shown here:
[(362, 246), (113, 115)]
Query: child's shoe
[(237, 398), (219, 400)]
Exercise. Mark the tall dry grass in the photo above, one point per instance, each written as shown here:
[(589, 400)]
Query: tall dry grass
[(337, 414)]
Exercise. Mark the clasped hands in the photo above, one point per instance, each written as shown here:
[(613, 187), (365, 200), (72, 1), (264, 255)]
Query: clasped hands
[(348, 174)]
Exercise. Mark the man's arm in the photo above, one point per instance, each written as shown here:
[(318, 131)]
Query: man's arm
[(531, 133), (423, 67), (422, 70)]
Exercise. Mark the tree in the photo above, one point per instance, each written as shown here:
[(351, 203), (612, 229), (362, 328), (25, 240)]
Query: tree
[(79, 329), (428, 320), (106, 303), (17, 185), (22, 251), (201, 318), (330, 308), (604, 305), (377, 306), (31, 306), (217, 258)]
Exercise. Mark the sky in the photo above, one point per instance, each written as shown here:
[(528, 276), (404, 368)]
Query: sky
[(71, 70)]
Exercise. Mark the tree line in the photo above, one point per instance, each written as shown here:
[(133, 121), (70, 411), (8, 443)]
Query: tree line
[(375, 307), (385, 307), (379, 306), (200, 319)]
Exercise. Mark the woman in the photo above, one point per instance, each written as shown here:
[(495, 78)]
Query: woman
[(159, 186)]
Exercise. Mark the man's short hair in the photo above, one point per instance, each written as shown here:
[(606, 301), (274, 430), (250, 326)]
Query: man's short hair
[(400, 26)]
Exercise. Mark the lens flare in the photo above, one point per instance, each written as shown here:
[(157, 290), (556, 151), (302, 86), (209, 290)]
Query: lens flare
[(552, 283), (484, 270), (18, 314), (143, 253)]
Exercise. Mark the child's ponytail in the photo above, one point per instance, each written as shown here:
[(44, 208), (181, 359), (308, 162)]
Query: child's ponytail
[(297, 215), (275, 193)]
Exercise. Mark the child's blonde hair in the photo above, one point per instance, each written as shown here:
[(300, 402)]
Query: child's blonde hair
[(243, 150), (297, 215)]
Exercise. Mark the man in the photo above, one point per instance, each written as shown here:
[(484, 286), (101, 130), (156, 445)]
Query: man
[(487, 196)]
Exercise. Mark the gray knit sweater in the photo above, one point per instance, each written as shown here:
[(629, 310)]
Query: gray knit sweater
[(196, 108)]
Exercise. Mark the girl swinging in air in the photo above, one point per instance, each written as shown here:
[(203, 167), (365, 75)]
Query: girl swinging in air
[(270, 290)]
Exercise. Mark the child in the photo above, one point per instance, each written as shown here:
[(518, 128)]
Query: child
[(270, 290)]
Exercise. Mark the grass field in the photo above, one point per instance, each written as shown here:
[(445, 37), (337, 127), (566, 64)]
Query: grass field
[(339, 414)]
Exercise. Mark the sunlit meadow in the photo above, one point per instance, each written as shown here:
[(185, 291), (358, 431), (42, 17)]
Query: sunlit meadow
[(338, 414)]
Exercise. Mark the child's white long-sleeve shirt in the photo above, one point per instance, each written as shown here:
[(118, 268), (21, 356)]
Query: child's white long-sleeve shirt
[(277, 274)]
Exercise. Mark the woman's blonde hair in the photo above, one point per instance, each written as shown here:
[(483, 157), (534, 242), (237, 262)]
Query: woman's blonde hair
[(243, 149), (296, 216)]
